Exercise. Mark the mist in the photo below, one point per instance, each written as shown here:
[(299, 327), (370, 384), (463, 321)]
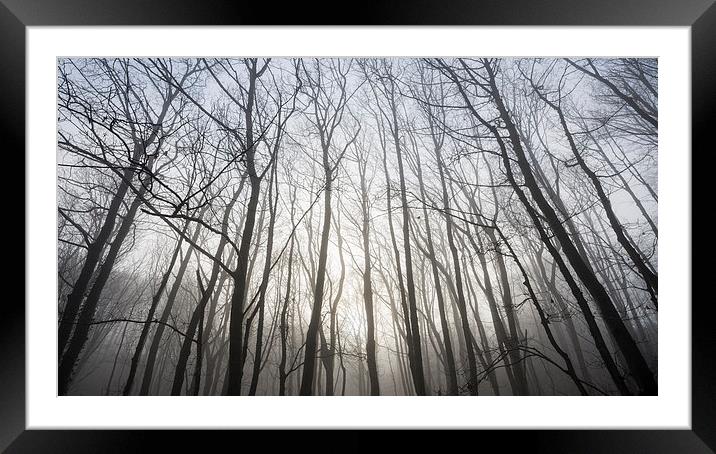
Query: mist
[(357, 226)]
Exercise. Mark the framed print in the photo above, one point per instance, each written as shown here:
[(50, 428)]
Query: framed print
[(412, 217)]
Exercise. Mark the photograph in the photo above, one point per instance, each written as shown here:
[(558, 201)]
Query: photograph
[(357, 226)]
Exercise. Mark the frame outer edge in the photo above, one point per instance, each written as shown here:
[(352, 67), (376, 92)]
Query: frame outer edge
[(12, 111), (12, 308), (703, 86)]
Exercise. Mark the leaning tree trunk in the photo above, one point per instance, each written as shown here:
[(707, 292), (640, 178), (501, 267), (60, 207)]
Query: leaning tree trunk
[(329, 347), (283, 326)]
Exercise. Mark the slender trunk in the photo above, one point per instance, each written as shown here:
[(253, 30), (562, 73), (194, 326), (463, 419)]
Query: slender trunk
[(283, 327), (264, 284), (196, 381), (368, 288), (330, 345)]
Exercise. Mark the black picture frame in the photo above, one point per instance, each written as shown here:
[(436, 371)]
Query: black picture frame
[(16, 15)]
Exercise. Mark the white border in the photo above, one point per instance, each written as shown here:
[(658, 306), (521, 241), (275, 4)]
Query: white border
[(671, 409)]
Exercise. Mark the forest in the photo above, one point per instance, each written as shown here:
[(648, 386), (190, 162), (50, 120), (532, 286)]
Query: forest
[(357, 226)]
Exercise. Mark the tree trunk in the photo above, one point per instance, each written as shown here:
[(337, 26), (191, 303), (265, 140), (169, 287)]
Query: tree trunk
[(314, 324), (368, 287), (240, 276), (264, 284)]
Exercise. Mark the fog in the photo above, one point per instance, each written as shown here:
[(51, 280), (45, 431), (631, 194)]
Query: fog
[(440, 226)]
